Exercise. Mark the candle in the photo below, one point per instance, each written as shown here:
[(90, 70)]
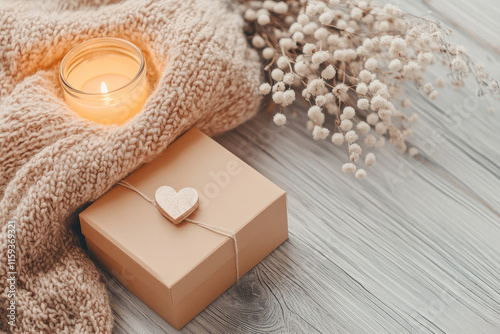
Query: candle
[(104, 80)]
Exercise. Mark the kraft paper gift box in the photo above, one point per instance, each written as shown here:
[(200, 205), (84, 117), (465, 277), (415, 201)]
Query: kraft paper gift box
[(178, 270)]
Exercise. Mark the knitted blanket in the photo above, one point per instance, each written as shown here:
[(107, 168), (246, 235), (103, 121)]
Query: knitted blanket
[(52, 163)]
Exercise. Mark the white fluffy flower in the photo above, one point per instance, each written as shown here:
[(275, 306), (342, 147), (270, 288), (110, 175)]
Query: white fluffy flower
[(381, 128), (370, 159), (459, 64), (321, 34), (316, 86), (395, 65), (312, 9), (250, 15), (295, 27), (370, 140), (279, 119), (360, 174), (258, 41), (413, 151), (310, 28), (355, 148), (288, 78), (301, 68), (263, 19), (321, 100), (375, 86), (320, 57), (363, 104), (385, 114), (362, 88), (349, 168), (365, 76), (372, 118), (349, 112), (363, 127), (371, 64), (298, 37), (303, 19), (289, 97), (411, 68), (268, 53), (351, 136), (354, 157), (398, 47), (277, 74), (346, 125), (309, 48), (338, 138), (378, 102), (320, 133), (329, 72), (425, 58), (265, 88), (280, 8), (287, 43), (356, 13), (278, 97), (315, 114), (326, 18), (283, 62), (406, 103), (279, 87)]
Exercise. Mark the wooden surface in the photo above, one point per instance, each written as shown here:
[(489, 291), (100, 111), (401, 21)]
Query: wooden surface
[(414, 248)]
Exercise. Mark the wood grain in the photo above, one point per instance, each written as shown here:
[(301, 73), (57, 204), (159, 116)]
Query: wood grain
[(414, 248)]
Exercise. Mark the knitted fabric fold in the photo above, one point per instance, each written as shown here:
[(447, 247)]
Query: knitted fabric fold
[(52, 162)]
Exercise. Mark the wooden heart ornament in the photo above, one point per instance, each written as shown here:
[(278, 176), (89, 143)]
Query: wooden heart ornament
[(176, 206)]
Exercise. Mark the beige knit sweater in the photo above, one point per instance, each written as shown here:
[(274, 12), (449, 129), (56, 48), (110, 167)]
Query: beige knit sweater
[(52, 163)]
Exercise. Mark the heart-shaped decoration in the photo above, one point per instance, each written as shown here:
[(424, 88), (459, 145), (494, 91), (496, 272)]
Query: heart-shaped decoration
[(176, 206)]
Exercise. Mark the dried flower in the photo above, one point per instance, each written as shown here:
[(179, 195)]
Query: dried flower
[(277, 74), (265, 88), (349, 168), (263, 19), (363, 127), (338, 138), (258, 42), (370, 140), (328, 73), (279, 119), (370, 159), (346, 125), (280, 8), (360, 174), (350, 59), (349, 112), (351, 136), (320, 133), (316, 115), (413, 151), (355, 148)]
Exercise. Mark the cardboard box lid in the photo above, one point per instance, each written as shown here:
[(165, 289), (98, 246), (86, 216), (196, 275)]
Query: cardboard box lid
[(231, 193)]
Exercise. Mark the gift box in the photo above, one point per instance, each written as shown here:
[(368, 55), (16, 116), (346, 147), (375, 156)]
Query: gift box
[(179, 269)]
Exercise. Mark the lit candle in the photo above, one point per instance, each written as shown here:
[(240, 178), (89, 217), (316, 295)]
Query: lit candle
[(104, 80)]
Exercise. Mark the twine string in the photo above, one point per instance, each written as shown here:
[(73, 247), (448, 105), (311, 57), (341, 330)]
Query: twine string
[(219, 230)]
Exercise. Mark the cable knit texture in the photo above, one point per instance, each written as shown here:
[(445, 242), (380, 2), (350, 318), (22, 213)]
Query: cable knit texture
[(52, 163)]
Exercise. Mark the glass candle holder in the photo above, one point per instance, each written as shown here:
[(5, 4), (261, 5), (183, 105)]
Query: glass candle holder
[(104, 80)]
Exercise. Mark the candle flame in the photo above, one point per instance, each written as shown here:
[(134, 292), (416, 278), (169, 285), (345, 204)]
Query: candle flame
[(104, 88)]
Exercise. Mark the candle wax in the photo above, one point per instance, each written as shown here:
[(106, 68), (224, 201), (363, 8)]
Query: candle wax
[(111, 82), (107, 75)]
